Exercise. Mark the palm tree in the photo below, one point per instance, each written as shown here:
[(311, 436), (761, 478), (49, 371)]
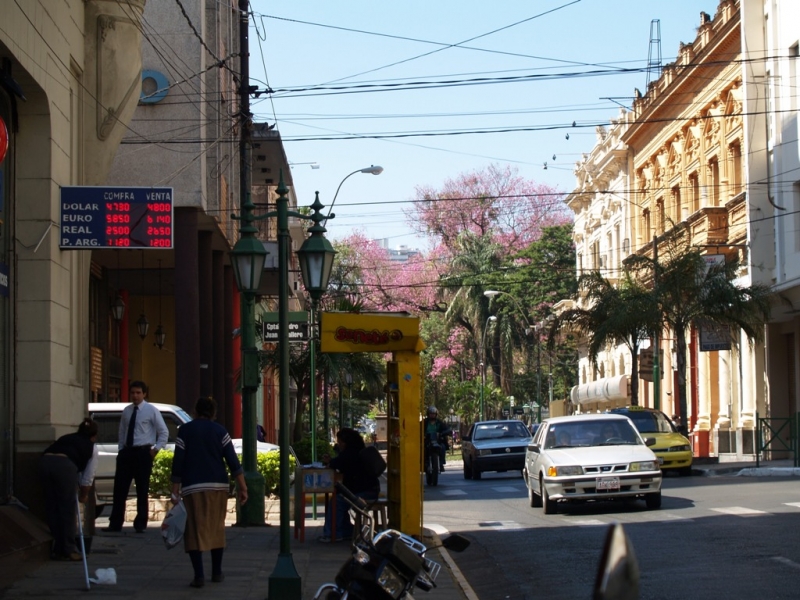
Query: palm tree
[(626, 314), (690, 292), (477, 259)]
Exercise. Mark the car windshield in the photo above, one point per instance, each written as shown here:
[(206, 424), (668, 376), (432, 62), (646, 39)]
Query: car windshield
[(591, 433), (505, 430), (647, 421)]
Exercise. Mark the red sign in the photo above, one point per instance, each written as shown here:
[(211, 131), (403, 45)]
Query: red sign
[(372, 338), (3, 139)]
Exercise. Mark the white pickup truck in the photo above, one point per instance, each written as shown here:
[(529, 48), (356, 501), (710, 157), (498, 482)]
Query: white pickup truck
[(107, 416)]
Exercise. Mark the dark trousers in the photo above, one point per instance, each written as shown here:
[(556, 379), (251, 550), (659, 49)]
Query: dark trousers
[(133, 464), (59, 477)]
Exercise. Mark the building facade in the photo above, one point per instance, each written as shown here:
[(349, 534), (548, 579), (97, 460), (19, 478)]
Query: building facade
[(688, 155), (771, 39), (71, 74)]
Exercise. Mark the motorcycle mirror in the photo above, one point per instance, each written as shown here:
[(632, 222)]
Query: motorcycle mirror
[(618, 574), (455, 542)]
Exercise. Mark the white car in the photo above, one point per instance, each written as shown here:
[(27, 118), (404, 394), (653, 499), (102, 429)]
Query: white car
[(590, 457), (107, 416)]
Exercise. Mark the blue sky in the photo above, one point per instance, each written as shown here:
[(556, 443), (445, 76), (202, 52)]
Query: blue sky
[(548, 47)]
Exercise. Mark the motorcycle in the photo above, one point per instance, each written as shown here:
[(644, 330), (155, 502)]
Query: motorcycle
[(388, 565), (432, 457)]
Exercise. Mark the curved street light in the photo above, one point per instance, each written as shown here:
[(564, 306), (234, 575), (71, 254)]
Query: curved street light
[(490, 319), (372, 169)]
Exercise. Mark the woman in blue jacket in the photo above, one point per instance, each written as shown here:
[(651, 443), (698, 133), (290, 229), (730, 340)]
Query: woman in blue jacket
[(199, 477)]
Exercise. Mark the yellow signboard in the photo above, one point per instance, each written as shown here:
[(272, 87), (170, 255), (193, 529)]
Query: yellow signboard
[(369, 332)]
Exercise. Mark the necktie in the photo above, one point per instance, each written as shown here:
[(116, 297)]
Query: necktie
[(131, 427)]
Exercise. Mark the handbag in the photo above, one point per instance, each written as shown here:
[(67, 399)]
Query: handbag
[(173, 525)]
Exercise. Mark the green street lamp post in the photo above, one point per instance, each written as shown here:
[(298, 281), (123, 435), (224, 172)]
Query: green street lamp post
[(248, 258), (490, 319), (316, 259)]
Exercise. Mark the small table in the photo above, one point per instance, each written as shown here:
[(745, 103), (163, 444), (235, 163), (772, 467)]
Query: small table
[(313, 480)]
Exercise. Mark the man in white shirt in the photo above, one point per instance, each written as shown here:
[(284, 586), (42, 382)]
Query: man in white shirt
[(142, 434)]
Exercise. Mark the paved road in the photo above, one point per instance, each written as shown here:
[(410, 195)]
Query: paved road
[(714, 537)]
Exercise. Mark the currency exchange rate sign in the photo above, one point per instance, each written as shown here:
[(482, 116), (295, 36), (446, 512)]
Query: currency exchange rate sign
[(116, 217)]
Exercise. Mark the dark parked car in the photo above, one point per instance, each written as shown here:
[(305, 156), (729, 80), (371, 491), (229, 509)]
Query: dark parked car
[(494, 446)]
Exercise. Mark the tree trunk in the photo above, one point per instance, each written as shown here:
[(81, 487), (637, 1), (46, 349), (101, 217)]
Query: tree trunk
[(635, 374), (680, 341)]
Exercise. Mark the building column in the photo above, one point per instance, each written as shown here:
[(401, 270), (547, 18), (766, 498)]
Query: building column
[(725, 390), (700, 435), (218, 336), (187, 310), (747, 404), (204, 284)]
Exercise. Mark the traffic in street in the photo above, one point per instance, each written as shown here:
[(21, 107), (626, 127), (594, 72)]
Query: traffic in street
[(716, 536)]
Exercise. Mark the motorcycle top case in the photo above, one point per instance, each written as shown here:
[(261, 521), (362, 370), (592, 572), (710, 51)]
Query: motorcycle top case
[(404, 559)]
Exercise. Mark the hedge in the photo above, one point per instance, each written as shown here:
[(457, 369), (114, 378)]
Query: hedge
[(267, 463)]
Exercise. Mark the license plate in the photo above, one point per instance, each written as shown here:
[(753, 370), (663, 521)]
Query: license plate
[(608, 483)]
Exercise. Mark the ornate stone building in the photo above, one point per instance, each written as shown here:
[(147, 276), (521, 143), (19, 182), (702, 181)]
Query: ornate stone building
[(602, 234), (685, 165)]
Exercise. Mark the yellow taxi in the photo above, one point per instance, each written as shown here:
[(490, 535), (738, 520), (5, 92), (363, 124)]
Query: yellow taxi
[(674, 451)]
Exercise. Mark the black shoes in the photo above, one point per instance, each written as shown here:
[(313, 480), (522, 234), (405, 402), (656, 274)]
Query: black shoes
[(218, 578), (197, 582), (111, 529), (140, 530)]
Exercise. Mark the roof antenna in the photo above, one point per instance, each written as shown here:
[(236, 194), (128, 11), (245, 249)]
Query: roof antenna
[(654, 53)]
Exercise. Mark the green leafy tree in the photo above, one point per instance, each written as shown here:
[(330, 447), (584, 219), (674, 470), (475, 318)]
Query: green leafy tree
[(690, 291), (623, 314)]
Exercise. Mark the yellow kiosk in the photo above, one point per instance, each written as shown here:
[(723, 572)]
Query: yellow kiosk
[(397, 333)]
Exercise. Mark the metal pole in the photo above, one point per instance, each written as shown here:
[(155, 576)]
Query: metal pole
[(483, 382), (538, 378), (284, 582), (252, 513), (312, 348), (656, 341)]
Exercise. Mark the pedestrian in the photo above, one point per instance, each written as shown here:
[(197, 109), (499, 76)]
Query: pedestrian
[(67, 468), (142, 434), (202, 449), (261, 434), (355, 477), (433, 424)]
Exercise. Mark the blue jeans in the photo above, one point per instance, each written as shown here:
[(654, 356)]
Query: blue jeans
[(344, 527)]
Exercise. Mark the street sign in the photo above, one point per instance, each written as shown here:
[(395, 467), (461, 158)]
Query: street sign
[(646, 364), (298, 327), (714, 337), (115, 217)]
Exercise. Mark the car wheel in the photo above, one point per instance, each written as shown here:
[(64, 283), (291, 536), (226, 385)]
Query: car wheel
[(476, 473), (548, 505), (467, 471), (653, 501), (534, 499), (685, 471)]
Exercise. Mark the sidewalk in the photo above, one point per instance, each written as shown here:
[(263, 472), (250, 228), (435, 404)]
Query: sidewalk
[(146, 570), (766, 468)]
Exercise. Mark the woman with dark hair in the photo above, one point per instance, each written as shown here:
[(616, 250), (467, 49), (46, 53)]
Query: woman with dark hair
[(202, 449), (355, 477), (69, 457)]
